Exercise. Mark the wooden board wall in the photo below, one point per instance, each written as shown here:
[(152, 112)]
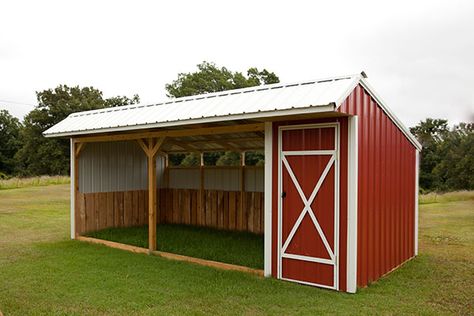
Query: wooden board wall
[(221, 209)]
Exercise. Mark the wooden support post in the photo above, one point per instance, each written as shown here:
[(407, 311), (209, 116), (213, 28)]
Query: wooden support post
[(242, 185), (167, 172), (74, 189), (76, 149), (151, 203), (201, 189), (151, 147)]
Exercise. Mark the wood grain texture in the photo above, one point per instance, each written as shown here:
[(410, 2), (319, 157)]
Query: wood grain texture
[(221, 209)]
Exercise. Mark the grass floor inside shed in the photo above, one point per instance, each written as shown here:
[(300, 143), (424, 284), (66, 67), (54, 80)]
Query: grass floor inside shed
[(240, 248)]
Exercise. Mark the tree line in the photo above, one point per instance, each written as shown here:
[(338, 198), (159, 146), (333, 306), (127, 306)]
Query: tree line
[(447, 158), (24, 151)]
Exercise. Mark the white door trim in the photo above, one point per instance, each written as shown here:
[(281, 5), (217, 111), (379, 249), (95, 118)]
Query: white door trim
[(267, 270), (417, 175), (352, 191), (334, 160)]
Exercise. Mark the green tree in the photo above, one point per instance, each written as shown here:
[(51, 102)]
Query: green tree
[(447, 157), (455, 170), (9, 142), (39, 155), (430, 133), (211, 78)]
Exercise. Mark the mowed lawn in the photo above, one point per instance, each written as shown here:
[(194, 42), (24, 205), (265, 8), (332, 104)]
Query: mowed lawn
[(43, 272)]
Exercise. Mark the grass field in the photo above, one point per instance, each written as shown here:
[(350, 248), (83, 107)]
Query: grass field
[(42, 272), (15, 183)]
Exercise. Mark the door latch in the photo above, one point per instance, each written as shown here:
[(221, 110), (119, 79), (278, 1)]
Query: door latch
[(283, 195)]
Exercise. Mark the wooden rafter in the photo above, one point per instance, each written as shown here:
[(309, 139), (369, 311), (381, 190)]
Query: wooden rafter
[(175, 133), (256, 148), (228, 139), (143, 146), (182, 144), (156, 146), (78, 149)]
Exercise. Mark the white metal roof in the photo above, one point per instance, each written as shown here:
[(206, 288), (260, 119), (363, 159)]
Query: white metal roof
[(260, 101), (322, 95)]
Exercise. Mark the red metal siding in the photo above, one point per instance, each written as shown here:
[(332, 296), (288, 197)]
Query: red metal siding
[(386, 196), (302, 270)]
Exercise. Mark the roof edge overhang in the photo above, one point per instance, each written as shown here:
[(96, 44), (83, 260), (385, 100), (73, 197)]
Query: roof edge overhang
[(361, 79), (312, 109)]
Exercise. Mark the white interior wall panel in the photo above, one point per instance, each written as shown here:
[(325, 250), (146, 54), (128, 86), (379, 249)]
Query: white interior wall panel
[(114, 166), (254, 179), (121, 166), (184, 178), (217, 179), (222, 179)]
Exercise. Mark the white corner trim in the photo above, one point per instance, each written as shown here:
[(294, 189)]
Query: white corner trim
[(352, 179), (268, 200), (417, 174), (73, 176)]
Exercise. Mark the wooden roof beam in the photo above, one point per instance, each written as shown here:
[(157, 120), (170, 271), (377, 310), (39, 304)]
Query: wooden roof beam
[(174, 133)]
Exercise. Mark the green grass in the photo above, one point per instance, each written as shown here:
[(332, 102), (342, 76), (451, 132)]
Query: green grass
[(15, 183), (434, 197), (239, 248), (44, 273)]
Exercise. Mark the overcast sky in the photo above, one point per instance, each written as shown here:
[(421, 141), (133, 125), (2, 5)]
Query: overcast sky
[(419, 55)]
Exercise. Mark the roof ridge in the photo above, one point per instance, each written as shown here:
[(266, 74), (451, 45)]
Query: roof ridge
[(215, 94)]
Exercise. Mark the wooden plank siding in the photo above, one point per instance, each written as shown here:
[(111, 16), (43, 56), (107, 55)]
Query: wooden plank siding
[(221, 209)]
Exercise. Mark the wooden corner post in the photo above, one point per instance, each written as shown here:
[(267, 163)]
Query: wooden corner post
[(151, 146), (242, 188), (76, 149)]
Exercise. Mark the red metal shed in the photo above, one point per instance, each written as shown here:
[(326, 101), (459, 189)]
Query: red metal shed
[(339, 185), (344, 200)]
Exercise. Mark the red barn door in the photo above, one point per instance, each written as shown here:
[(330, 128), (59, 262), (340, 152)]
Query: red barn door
[(308, 205)]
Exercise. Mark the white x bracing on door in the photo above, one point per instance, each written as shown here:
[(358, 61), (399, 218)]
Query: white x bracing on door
[(307, 209)]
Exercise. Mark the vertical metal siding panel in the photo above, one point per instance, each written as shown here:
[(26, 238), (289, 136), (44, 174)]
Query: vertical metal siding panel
[(386, 190), (392, 194), (397, 201), (411, 197), (406, 223), (363, 190), (253, 179), (370, 192), (383, 197), (410, 182), (411, 208), (383, 201), (122, 176), (114, 166), (100, 173), (408, 204), (376, 192), (94, 169), (81, 171), (395, 198)]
